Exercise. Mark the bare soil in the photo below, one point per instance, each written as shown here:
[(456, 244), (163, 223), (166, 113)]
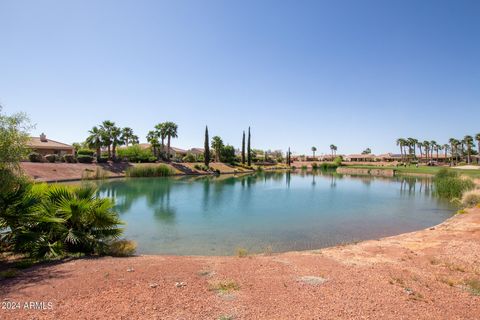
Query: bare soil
[(426, 274)]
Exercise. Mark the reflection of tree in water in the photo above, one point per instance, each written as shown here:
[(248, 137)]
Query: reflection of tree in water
[(413, 185), (155, 191)]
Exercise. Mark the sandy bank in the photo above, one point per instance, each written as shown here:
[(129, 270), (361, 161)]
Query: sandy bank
[(419, 275)]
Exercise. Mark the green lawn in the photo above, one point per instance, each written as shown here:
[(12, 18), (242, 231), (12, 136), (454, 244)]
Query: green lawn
[(421, 170)]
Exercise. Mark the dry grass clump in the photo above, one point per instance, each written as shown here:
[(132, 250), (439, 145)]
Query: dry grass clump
[(225, 286), (242, 252), (121, 248), (471, 198), (474, 286), (97, 174)]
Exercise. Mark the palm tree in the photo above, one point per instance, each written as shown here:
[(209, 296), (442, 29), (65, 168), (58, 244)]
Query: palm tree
[(162, 134), (412, 142), (477, 137), (453, 149), (332, 149), (94, 141), (116, 137), (152, 138), (468, 140), (402, 143), (426, 147), (419, 146), (313, 150), (171, 131), (445, 148), (106, 129), (434, 147), (217, 145), (128, 136)]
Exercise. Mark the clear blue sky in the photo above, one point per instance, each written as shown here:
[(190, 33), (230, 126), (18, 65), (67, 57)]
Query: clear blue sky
[(301, 73)]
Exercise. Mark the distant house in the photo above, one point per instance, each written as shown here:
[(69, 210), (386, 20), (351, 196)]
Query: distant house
[(360, 157), (45, 146)]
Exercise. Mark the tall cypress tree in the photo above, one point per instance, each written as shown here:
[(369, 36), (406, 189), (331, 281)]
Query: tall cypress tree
[(206, 152), (249, 152), (288, 157), (243, 148)]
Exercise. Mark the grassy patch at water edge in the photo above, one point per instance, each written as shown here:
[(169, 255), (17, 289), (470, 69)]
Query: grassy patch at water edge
[(449, 185), (142, 171)]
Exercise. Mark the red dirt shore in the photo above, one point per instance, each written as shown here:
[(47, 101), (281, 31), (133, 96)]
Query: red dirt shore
[(56, 172), (428, 274)]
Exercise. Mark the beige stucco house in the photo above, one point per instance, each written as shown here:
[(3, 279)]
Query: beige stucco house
[(46, 146)]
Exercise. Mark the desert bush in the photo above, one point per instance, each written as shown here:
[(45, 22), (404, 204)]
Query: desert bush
[(189, 158), (35, 157), (84, 159), (121, 248), (450, 185), (69, 158), (471, 198), (314, 166), (304, 167), (201, 167), (51, 158), (143, 171)]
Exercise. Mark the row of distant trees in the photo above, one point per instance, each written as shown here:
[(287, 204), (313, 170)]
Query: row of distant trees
[(110, 136), (226, 153), (459, 149)]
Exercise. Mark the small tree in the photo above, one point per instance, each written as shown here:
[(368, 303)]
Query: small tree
[(243, 148), (367, 151), (249, 151), (228, 154), (217, 145), (206, 152), (313, 151)]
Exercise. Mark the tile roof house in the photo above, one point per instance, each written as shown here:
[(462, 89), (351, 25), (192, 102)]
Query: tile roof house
[(46, 146)]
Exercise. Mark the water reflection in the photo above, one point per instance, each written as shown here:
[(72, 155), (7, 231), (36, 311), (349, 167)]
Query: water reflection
[(285, 210)]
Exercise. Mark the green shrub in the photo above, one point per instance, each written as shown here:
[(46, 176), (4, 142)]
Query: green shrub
[(143, 171), (304, 167), (84, 159), (69, 158), (338, 161), (328, 166), (314, 166), (136, 154), (449, 185), (51, 158), (35, 157), (102, 159), (85, 152), (49, 221)]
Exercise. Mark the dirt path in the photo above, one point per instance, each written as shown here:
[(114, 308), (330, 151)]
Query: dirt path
[(420, 275)]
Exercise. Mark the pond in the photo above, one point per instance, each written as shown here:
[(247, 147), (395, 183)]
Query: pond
[(273, 211)]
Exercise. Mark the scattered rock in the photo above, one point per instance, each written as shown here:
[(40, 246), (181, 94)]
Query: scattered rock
[(409, 291), (153, 285), (312, 280), (130, 269), (180, 284)]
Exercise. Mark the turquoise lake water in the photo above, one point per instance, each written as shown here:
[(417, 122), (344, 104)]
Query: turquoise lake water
[(276, 211)]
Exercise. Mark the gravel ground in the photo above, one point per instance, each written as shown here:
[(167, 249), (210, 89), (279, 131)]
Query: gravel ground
[(421, 275)]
